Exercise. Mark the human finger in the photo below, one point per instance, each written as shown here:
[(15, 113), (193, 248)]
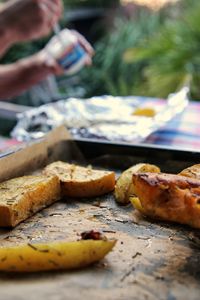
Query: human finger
[(49, 15), (60, 7), (84, 43), (88, 60), (55, 7)]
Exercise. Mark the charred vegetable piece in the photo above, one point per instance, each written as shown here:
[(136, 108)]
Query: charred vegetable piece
[(92, 234), (168, 197)]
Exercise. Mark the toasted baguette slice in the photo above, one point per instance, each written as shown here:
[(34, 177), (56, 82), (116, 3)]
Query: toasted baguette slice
[(168, 197), (80, 182), (23, 196)]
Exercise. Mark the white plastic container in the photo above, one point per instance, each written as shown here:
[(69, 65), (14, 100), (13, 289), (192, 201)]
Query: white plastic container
[(66, 49)]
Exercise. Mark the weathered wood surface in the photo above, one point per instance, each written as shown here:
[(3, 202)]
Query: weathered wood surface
[(150, 261)]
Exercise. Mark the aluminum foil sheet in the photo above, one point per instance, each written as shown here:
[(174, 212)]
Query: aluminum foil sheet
[(106, 118)]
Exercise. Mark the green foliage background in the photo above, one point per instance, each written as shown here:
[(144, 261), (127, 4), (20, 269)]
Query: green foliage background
[(89, 3), (172, 56), (151, 55), (110, 74)]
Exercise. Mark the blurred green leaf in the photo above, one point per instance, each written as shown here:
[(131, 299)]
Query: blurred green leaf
[(171, 56), (109, 73)]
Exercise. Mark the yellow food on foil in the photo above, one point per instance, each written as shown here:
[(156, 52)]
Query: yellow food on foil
[(145, 112)]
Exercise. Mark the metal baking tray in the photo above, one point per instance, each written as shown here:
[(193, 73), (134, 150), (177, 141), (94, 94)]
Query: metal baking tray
[(122, 155), (152, 260)]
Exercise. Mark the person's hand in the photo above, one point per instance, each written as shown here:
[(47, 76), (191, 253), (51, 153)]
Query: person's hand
[(31, 19), (62, 48), (86, 46), (25, 73)]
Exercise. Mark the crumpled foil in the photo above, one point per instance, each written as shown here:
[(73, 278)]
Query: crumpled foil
[(106, 118)]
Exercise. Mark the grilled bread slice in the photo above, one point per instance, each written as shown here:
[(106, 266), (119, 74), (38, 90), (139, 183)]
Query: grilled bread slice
[(77, 181), (168, 197), (23, 196)]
